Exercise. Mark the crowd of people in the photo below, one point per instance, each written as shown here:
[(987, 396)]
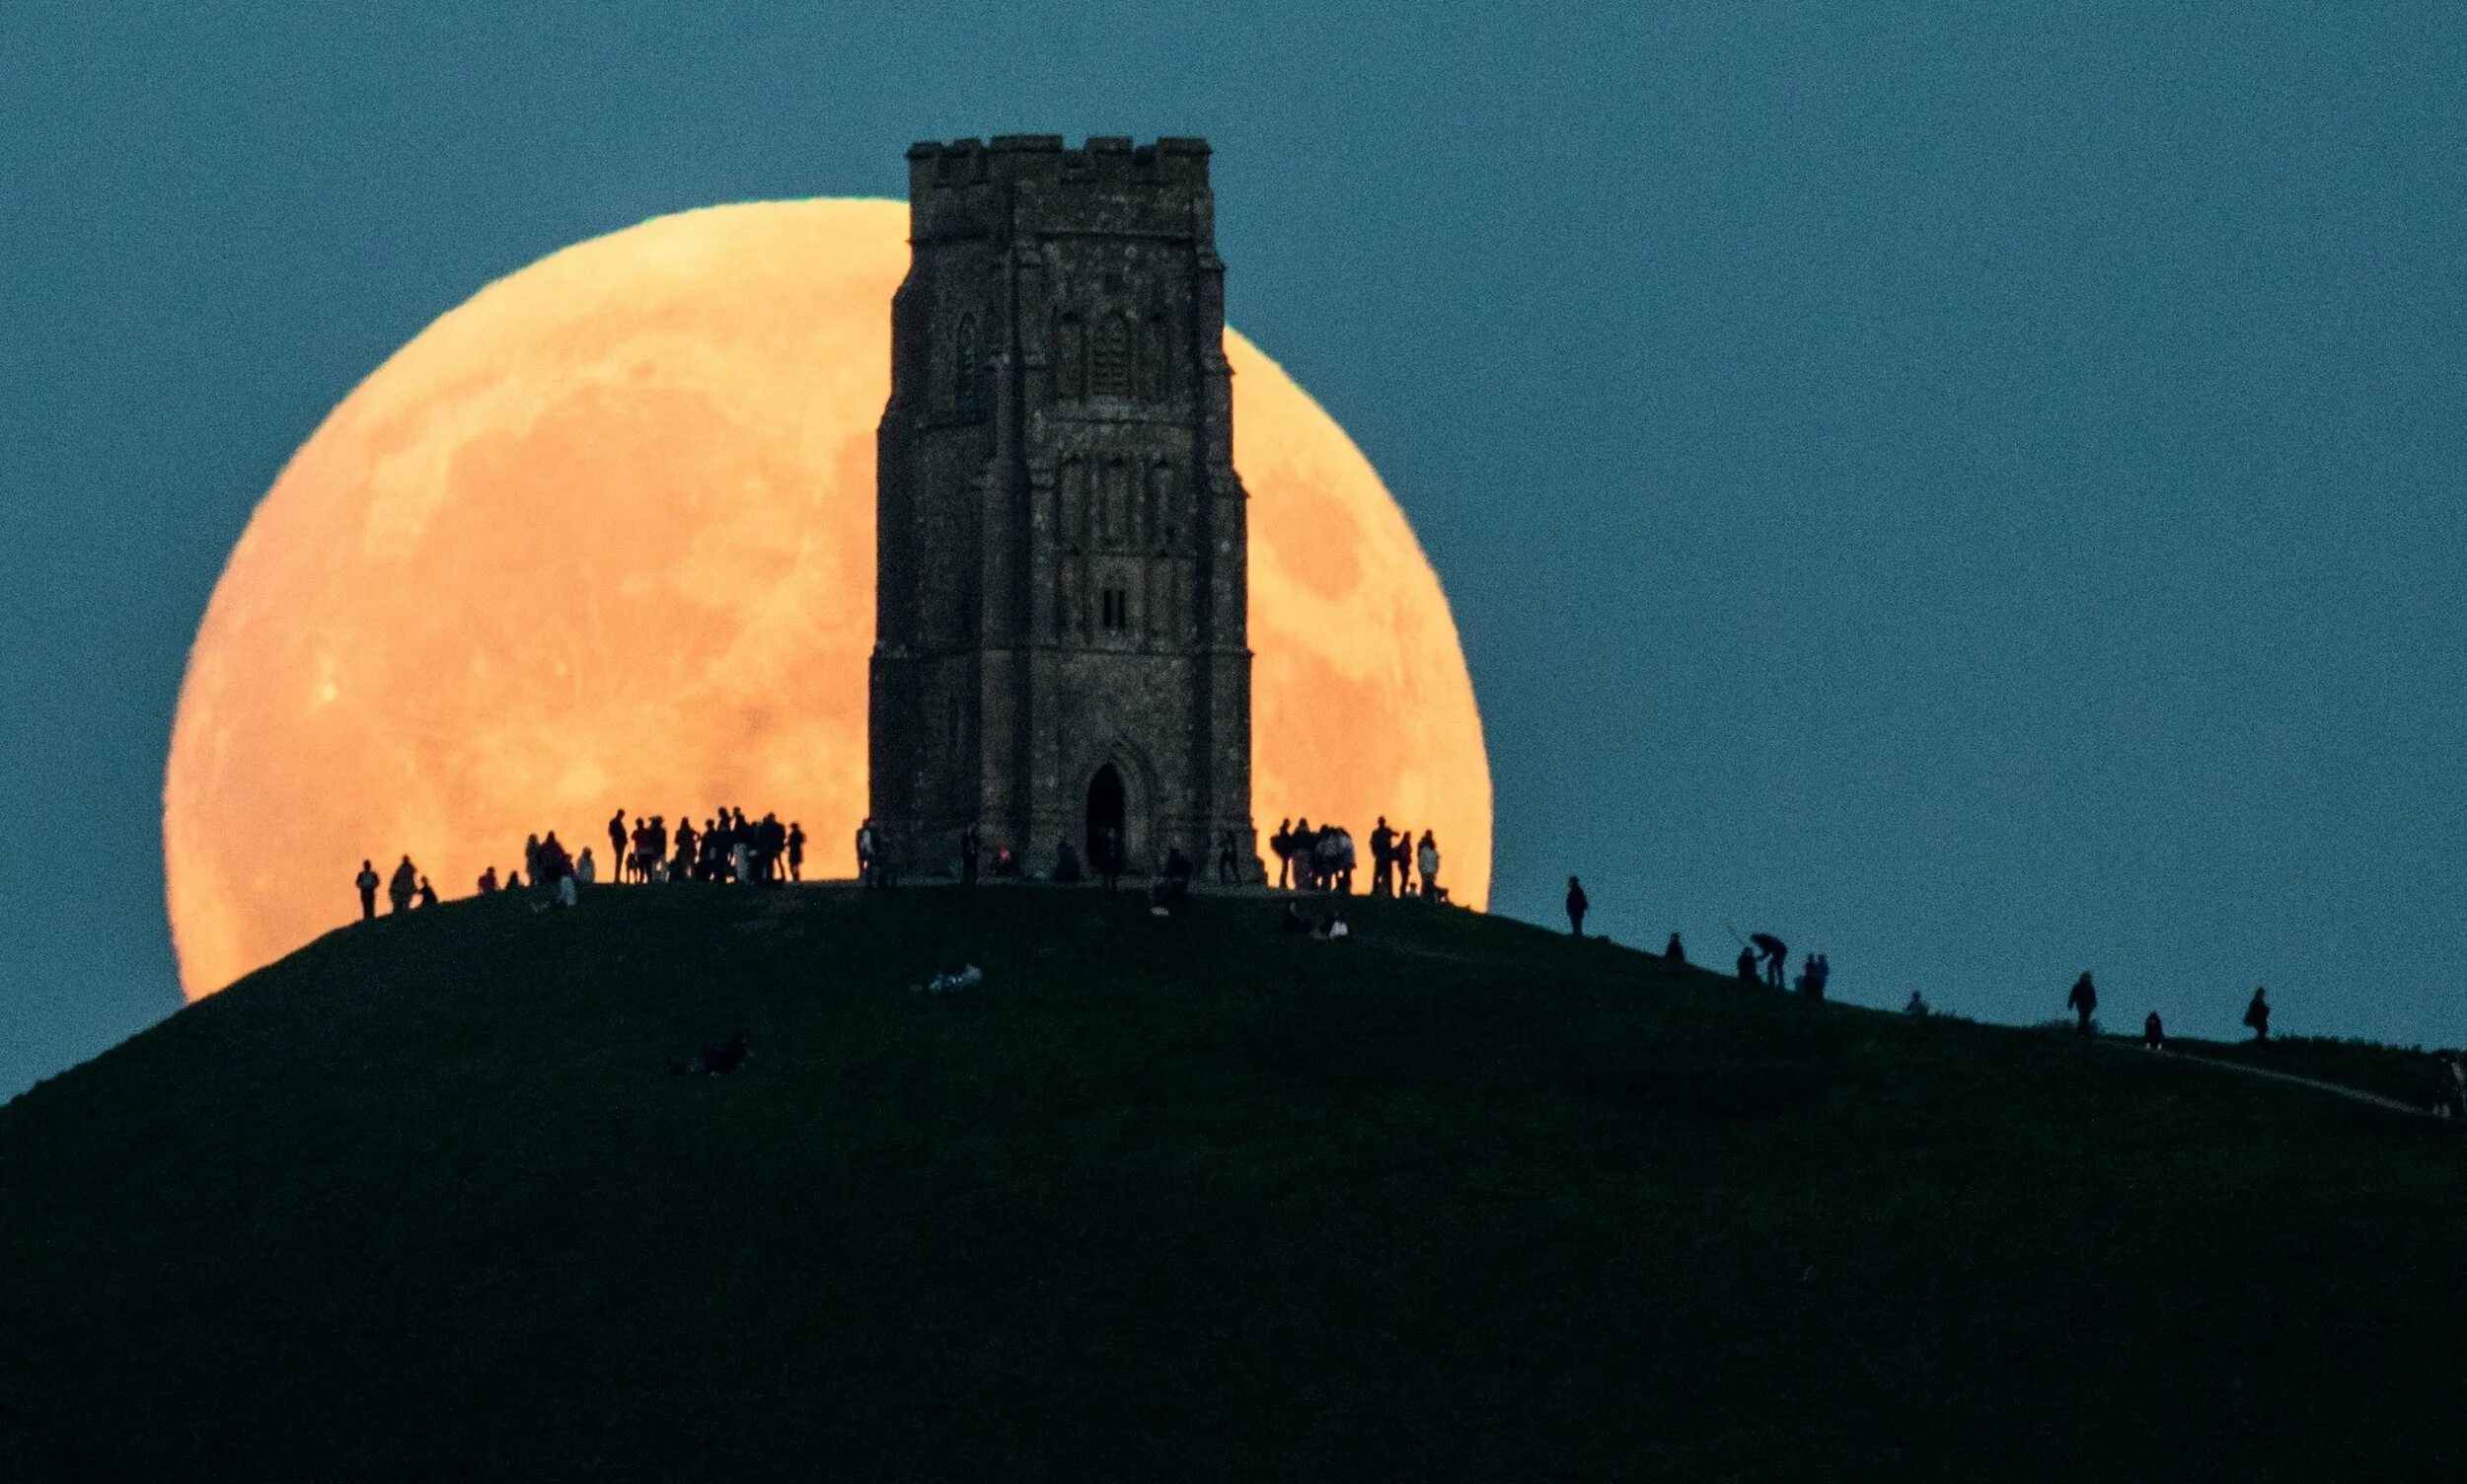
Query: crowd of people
[(727, 848), (1322, 859)]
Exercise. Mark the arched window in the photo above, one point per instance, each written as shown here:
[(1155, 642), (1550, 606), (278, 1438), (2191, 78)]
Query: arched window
[(1111, 374), (1069, 358), (966, 363)]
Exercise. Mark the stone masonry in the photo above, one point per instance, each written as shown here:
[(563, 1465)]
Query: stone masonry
[(1061, 578)]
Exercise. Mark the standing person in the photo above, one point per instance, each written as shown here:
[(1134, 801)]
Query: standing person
[(366, 881), (2256, 1016), (773, 843), (487, 882), (796, 851), (971, 845), (1282, 843), (1403, 854), (1576, 907), (2083, 1002), (2153, 1034), (1673, 951), (586, 870), (741, 860), (616, 843), (689, 847), (1426, 861), (865, 852), (404, 886), (1812, 980), (1382, 860), (1305, 844)]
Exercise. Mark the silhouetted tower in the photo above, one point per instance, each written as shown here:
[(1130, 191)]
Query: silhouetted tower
[(1061, 637)]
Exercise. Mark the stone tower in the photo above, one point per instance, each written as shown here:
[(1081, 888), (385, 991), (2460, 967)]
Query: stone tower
[(1061, 641)]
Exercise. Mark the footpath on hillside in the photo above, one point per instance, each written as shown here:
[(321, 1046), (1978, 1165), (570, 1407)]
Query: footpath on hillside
[(2356, 1093)]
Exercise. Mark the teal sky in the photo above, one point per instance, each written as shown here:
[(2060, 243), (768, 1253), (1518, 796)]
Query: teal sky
[(1973, 488)]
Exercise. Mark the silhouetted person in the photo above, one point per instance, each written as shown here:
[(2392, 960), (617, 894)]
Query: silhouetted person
[(1382, 860), (2257, 1017), (1776, 954), (2083, 1002), (1174, 887), (531, 860), (427, 893), (1066, 863), (404, 886), (1917, 1008), (1426, 861), (1304, 845), (864, 854), (1282, 843), (1229, 867), (1404, 863), (1293, 923), (796, 851), (367, 882), (2153, 1034), (1812, 980), (487, 882), (617, 842), (1673, 951), (1576, 907), (1748, 965), (971, 845), (1109, 856)]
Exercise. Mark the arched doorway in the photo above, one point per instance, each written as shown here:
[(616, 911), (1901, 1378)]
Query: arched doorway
[(1105, 812)]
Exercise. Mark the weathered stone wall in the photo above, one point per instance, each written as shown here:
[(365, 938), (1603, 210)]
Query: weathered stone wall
[(1061, 539)]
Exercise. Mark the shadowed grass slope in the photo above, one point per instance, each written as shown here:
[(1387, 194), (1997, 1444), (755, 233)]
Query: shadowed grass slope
[(1180, 1200)]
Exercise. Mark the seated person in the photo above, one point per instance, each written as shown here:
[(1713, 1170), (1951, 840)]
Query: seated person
[(1295, 922)]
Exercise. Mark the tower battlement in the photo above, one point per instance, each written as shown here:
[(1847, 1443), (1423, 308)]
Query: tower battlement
[(1110, 161)]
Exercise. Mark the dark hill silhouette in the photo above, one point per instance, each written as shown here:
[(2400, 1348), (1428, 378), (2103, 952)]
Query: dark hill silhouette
[(1181, 1198)]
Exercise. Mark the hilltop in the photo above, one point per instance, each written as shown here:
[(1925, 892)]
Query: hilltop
[(1181, 1198)]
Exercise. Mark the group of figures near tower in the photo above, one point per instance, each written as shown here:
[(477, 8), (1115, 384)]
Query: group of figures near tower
[(1322, 859)]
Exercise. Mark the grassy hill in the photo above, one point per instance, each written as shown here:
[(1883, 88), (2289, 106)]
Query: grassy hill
[(1182, 1200)]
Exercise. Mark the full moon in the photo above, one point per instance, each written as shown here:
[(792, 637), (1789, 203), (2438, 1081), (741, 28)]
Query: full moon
[(603, 536)]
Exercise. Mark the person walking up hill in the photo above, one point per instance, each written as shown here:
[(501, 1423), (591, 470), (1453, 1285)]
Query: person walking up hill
[(2083, 1002)]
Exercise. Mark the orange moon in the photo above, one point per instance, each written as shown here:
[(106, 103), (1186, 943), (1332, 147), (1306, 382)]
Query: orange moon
[(603, 536)]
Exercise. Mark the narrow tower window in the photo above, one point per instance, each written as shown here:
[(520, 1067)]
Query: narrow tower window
[(1156, 362), (1112, 374), (1069, 358), (964, 367)]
